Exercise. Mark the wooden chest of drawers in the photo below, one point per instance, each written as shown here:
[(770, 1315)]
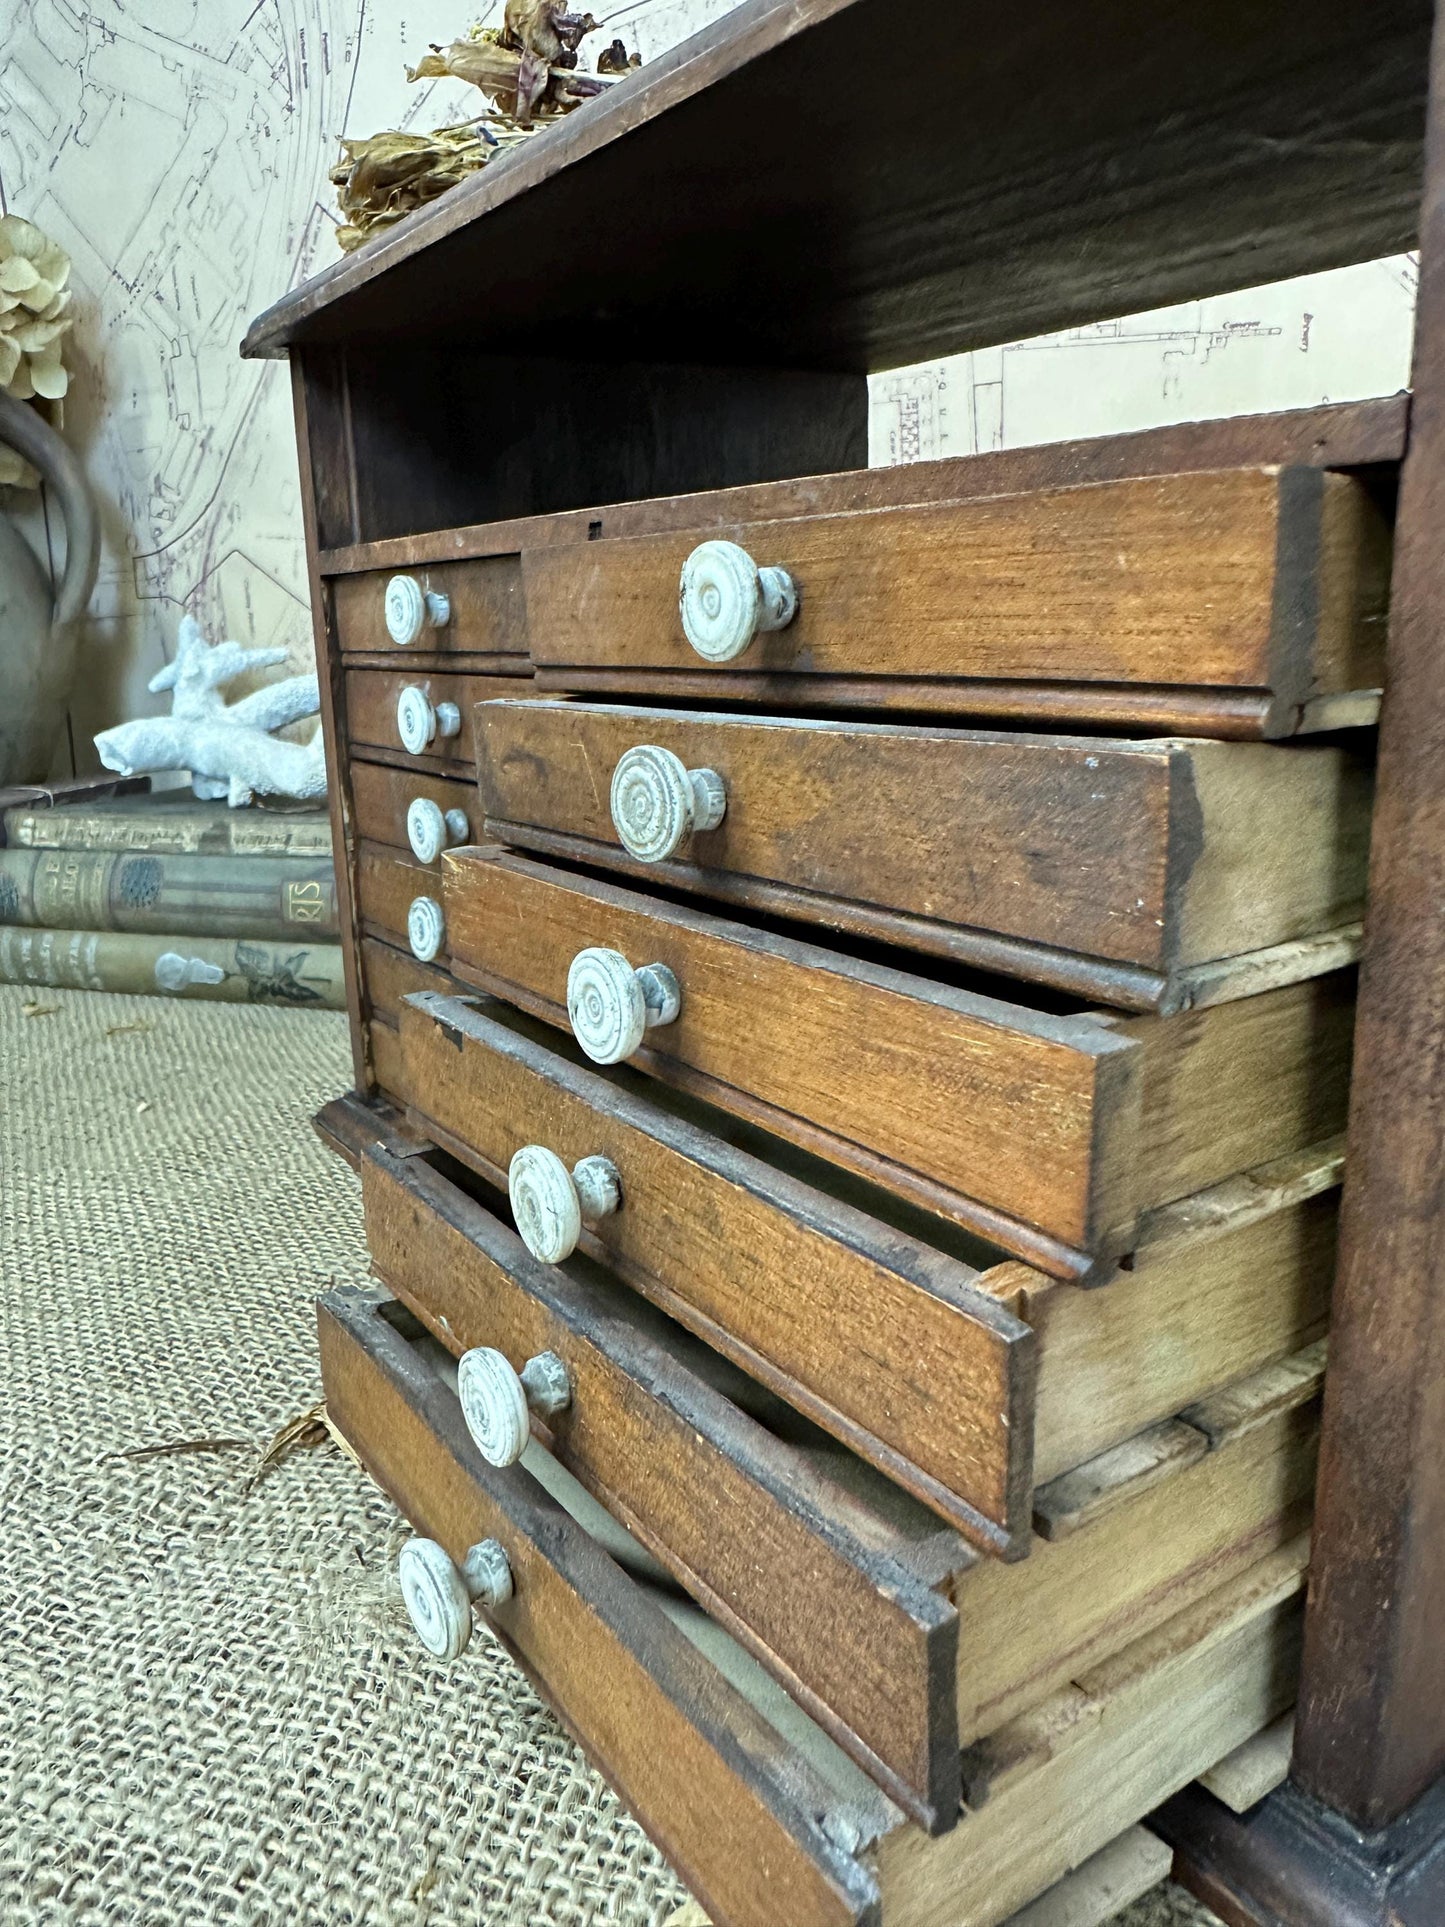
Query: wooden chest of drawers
[(853, 985)]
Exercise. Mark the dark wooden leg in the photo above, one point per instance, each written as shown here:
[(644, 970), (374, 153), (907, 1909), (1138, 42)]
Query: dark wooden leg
[(1293, 1863), (1358, 1837)]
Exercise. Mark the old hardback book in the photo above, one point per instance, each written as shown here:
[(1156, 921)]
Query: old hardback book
[(206, 895), (169, 824), (237, 970)]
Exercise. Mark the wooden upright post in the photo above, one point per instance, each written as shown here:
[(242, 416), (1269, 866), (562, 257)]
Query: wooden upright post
[(1359, 1836)]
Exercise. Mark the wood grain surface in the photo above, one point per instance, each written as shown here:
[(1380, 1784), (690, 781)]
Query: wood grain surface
[(382, 793), (488, 615), (371, 704), (814, 1579), (1131, 861), (887, 1344), (1251, 580), (648, 1707)]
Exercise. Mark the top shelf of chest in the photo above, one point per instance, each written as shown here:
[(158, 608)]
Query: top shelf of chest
[(855, 184)]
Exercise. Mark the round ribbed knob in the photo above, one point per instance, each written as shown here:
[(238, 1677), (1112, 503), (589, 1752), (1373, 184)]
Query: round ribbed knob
[(418, 723), (496, 1400), (725, 600), (549, 1202), (657, 802), (429, 829), (410, 608), (425, 928), (439, 1595), (611, 1006)]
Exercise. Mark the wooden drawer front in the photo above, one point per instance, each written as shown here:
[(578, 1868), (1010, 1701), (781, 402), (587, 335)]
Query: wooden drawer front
[(390, 974), (1236, 601), (887, 1344), (488, 612), (371, 699), (1105, 867), (386, 883), (652, 1711), (381, 795), (1020, 1125), (765, 1819), (823, 1589)]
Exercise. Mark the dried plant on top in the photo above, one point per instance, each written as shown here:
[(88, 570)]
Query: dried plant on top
[(527, 69), (34, 318)]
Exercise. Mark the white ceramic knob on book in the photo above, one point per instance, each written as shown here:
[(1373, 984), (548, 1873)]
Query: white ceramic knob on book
[(439, 1595), (430, 829), (418, 723), (611, 1006), (410, 608), (657, 802), (725, 600), (496, 1400), (426, 928), (550, 1203)]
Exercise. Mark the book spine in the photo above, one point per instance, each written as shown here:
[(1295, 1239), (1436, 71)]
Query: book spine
[(225, 896), (169, 832), (175, 966)]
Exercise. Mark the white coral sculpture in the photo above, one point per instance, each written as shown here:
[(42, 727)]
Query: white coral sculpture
[(34, 317), (226, 747)]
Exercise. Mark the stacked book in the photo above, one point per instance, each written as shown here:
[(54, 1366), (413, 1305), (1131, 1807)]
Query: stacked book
[(162, 894)]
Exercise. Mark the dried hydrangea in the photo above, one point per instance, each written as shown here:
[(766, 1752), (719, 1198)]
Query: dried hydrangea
[(34, 317)]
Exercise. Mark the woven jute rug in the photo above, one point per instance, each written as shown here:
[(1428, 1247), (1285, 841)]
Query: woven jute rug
[(213, 1708)]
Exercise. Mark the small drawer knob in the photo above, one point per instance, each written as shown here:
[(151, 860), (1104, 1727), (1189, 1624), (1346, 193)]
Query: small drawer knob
[(410, 608), (418, 722), (550, 1203), (657, 802), (611, 1006), (726, 600), (439, 1595), (496, 1400), (426, 928), (429, 828)]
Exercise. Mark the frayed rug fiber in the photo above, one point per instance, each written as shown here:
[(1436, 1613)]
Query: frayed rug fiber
[(214, 1709)]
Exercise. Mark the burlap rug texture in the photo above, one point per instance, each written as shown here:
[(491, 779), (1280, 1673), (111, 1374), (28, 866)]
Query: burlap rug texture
[(212, 1709)]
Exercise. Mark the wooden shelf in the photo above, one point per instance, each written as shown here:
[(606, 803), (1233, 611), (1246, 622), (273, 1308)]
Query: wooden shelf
[(809, 184)]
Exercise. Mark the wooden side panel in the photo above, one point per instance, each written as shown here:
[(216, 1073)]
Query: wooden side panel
[(888, 1345), (763, 1542), (382, 793), (1240, 1083), (737, 1813), (488, 613), (1190, 1316), (1025, 1631), (1030, 1116), (1060, 1781), (371, 704), (1166, 581)]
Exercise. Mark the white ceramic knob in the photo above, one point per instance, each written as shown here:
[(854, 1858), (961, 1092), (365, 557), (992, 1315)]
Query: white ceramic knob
[(726, 600), (429, 828), (410, 609), (549, 1202), (496, 1400), (418, 723), (426, 928), (657, 802), (439, 1595), (611, 1006)]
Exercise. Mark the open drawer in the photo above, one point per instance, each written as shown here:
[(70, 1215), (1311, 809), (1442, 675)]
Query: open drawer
[(899, 1642), (961, 1375), (1044, 1126), (1143, 874), (1245, 601), (762, 1814)]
